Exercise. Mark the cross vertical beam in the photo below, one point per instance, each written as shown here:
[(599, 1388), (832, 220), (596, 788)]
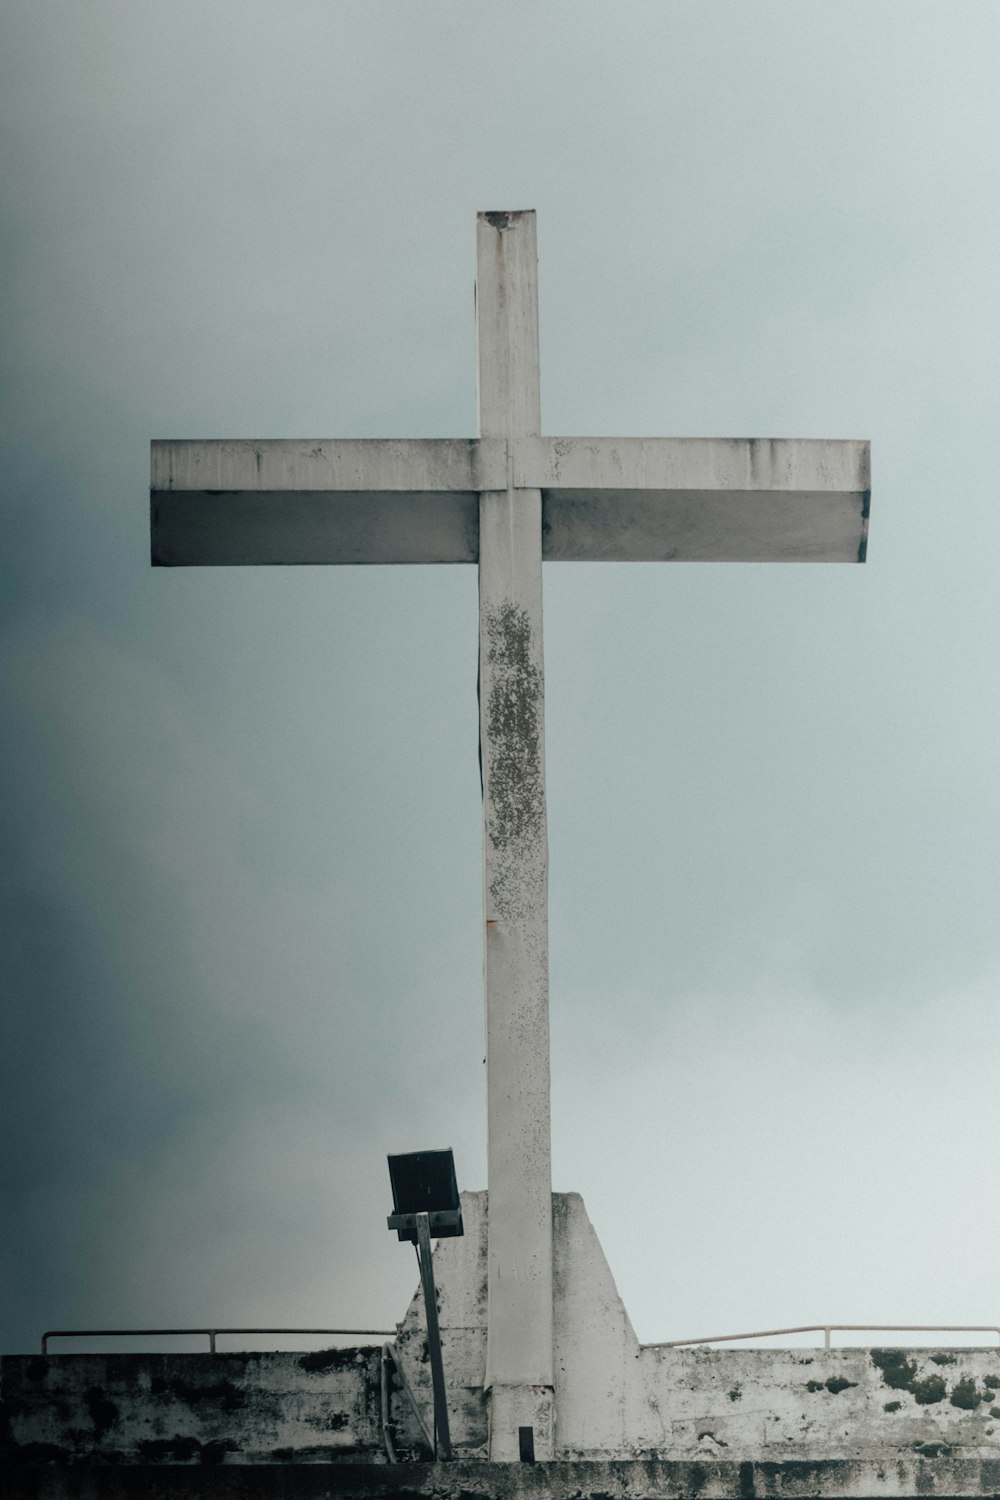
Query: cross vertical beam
[(519, 1362)]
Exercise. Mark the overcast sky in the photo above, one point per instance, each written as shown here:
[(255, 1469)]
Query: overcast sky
[(241, 880)]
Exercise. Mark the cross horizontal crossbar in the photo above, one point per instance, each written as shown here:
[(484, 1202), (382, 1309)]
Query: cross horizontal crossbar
[(417, 501)]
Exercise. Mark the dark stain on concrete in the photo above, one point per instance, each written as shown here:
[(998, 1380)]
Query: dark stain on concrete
[(514, 727), (794, 1476), (995, 1411), (993, 1381), (181, 1449), (892, 1406), (837, 1383), (932, 1450), (176, 1450), (900, 1374), (38, 1453), (748, 1483), (214, 1452), (924, 1481), (326, 1359), (965, 1394), (103, 1412), (124, 1372), (942, 1359), (228, 1396), (697, 1479), (736, 1394)]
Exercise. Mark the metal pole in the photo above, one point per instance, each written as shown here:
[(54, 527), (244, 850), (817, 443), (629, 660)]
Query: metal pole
[(441, 1431)]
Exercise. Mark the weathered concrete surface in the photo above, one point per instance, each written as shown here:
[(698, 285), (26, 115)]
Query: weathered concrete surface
[(196, 1409), (616, 1398), (633, 1480), (346, 501), (518, 1374), (416, 500), (831, 1404)]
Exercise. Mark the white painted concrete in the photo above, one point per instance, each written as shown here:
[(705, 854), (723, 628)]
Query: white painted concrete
[(603, 499), (345, 501), (515, 853), (827, 466), (617, 1399), (329, 466), (699, 499), (399, 465)]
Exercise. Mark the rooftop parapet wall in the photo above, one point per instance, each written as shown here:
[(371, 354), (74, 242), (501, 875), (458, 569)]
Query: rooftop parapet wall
[(801, 1404), (207, 1409), (697, 1406)]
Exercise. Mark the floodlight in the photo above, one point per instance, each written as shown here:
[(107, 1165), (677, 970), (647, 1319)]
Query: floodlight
[(426, 1202), (424, 1182)]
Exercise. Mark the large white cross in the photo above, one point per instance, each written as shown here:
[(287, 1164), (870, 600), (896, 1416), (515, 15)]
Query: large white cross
[(508, 500)]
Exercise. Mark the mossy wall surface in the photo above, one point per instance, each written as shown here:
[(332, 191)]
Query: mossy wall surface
[(191, 1409), (683, 1405)]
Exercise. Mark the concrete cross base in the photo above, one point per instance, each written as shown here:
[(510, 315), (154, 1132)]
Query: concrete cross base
[(617, 1399), (521, 1421)]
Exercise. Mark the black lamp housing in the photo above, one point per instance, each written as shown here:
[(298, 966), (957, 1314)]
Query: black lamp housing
[(424, 1182)]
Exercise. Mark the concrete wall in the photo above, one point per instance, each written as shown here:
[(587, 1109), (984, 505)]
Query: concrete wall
[(191, 1408), (836, 1404)]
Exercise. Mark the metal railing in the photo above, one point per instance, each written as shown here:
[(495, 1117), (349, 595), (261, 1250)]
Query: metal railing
[(827, 1328), (210, 1333)]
